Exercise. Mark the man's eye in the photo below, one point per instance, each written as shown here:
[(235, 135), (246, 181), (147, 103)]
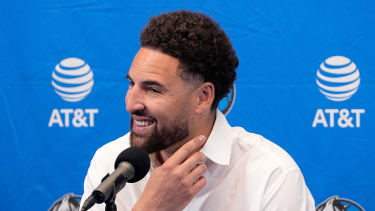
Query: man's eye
[(151, 89), (131, 83)]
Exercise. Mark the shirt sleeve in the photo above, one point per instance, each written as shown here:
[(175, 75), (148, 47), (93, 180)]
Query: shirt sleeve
[(288, 193)]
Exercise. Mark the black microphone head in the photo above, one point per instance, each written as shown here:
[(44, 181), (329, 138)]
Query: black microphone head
[(138, 158)]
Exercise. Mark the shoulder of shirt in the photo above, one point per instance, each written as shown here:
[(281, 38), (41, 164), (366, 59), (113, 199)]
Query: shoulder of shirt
[(119, 143), (258, 149), (109, 152)]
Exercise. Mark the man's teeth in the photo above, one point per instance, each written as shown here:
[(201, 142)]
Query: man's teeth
[(143, 123)]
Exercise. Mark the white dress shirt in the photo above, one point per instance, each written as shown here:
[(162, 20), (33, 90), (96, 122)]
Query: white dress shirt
[(244, 172)]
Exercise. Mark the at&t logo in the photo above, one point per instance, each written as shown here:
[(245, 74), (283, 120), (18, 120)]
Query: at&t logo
[(72, 80), (338, 80)]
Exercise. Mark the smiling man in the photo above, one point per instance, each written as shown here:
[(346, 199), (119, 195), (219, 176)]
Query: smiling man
[(158, 100), (185, 66)]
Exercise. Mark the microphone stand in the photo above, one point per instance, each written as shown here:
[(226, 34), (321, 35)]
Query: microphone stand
[(110, 204)]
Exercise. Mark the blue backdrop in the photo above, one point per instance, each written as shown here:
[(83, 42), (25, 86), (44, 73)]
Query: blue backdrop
[(293, 55)]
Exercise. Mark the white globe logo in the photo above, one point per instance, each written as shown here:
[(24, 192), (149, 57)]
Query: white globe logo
[(72, 79), (338, 78)]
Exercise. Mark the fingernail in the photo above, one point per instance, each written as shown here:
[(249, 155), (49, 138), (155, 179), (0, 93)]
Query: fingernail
[(201, 139)]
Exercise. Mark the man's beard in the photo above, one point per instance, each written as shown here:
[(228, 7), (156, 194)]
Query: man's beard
[(163, 138)]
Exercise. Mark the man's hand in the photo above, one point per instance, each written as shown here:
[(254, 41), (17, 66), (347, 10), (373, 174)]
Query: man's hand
[(174, 184)]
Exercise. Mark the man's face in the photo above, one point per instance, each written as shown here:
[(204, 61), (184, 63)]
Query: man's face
[(158, 101)]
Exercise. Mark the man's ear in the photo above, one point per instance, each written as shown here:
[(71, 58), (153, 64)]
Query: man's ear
[(205, 97)]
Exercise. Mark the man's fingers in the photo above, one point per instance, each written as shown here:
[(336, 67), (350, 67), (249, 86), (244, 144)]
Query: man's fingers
[(196, 174), (186, 150), (199, 185), (192, 162)]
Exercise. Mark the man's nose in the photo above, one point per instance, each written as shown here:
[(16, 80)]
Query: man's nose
[(134, 99)]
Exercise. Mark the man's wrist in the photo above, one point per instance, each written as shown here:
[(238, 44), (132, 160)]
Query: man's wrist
[(141, 207)]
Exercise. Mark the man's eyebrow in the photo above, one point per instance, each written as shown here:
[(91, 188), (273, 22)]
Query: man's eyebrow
[(148, 83), (152, 83)]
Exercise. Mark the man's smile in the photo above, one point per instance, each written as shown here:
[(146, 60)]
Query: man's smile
[(142, 125)]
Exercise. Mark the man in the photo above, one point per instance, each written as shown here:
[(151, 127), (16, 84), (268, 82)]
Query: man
[(185, 66)]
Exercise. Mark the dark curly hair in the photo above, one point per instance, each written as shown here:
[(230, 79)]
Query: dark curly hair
[(197, 41)]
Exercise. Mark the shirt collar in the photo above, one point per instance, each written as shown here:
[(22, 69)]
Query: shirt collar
[(218, 146)]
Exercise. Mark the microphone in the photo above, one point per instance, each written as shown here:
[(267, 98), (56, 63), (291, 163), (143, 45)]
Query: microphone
[(131, 165)]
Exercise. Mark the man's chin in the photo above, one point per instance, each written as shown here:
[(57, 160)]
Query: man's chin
[(137, 140)]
